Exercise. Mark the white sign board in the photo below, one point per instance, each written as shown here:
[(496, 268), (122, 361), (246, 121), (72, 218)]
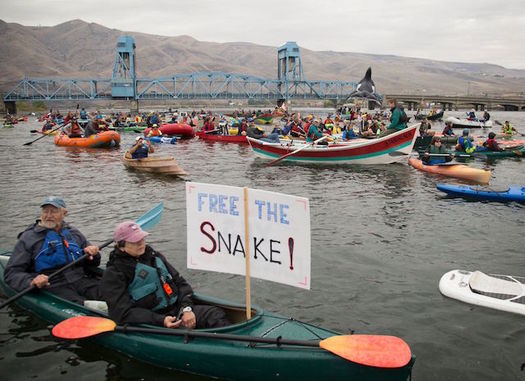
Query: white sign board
[(279, 231)]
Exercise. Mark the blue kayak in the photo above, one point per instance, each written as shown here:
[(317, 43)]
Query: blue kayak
[(513, 193)]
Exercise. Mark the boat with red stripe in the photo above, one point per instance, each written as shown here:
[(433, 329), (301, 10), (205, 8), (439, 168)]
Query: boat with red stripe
[(388, 149)]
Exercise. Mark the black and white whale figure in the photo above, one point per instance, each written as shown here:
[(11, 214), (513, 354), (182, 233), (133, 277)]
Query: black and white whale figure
[(366, 88)]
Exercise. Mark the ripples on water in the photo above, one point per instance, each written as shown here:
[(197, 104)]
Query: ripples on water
[(382, 236)]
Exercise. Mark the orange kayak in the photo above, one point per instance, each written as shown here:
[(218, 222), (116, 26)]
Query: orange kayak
[(105, 139), (458, 171)]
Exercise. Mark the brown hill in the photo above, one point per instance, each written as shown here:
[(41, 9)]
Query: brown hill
[(77, 49)]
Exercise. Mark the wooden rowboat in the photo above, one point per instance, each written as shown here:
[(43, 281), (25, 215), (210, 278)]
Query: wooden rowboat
[(164, 165), (388, 149)]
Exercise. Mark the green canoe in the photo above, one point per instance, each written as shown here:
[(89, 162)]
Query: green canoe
[(222, 358)]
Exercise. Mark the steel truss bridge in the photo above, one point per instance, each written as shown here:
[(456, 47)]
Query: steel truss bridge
[(123, 83), (199, 85)]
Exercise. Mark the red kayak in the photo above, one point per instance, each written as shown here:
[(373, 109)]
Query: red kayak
[(222, 138), (180, 129)]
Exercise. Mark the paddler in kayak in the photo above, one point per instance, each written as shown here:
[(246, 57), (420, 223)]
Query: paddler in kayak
[(141, 287), (465, 144), (507, 129), (448, 131), (436, 148), (491, 144), (49, 244)]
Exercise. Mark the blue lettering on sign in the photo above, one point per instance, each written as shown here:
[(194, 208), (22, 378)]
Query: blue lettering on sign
[(272, 212), (218, 203)]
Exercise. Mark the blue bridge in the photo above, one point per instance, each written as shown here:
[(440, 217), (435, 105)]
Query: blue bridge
[(123, 83)]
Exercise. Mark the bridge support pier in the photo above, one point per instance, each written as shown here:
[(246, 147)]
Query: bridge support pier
[(134, 106), (10, 107)]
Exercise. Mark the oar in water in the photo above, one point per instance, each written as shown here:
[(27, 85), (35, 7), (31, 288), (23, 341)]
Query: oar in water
[(371, 350), (297, 150), (43, 136), (146, 221)]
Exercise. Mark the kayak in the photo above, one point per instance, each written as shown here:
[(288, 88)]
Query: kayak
[(227, 352), (516, 151), (513, 193), (465, 123), (162, 139), (459, 171), (222, 138), (105, 139), (164, 165), (500, 292)]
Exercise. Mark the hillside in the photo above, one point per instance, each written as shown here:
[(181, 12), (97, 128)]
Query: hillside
[(77, 49)]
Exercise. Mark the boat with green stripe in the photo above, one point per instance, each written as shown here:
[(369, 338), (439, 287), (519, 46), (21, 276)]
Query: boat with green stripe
[(212, 353), (389, 149)]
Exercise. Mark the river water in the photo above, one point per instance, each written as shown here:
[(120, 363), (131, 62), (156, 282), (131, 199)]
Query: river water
[(382, 236)]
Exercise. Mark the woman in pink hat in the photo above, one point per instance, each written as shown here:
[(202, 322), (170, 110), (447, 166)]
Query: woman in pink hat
[(141, 287)]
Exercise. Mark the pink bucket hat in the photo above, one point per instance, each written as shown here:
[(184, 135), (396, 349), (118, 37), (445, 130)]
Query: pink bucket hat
[(129, 231)]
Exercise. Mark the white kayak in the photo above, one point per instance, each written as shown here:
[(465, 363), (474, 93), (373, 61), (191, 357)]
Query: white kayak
[(465, 123), (501, 292)]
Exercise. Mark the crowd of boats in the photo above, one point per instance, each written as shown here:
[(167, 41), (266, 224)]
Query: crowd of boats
[(350, 137)]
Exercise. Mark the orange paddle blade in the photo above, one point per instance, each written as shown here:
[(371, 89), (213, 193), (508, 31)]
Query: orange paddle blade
[(372, 350), (79, 327)]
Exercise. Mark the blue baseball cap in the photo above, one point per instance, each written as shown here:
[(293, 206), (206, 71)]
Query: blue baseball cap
[(57, 202)]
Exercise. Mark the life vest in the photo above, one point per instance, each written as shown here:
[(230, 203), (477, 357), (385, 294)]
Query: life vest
[(141, 152), (150, 280), (507, 129), (155, 132), (491, 145), (83, 115), (466, 144), (75, 129), (57, 250)]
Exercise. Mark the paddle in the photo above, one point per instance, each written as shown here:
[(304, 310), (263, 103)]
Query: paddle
[(43, 136), (297, 150), (371, 350), (146, 221)]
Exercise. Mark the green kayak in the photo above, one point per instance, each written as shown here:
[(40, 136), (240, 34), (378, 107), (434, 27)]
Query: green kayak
[(213, 354), (517, 151)]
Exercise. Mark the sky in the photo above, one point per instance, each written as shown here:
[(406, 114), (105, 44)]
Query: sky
[(477, 31)]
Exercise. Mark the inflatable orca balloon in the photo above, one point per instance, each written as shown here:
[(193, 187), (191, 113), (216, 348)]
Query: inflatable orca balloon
[(366, 88)]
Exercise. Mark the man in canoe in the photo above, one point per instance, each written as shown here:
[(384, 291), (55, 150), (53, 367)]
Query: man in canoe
[(141, 149), (47, 245), (141, 287), (507, 129)]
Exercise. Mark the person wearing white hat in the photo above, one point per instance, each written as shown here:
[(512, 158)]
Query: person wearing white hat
[(141, 287), (141, 149)]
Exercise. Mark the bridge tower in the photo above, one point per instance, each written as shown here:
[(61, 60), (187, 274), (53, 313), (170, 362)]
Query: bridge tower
[(289, 66), (123, 77)]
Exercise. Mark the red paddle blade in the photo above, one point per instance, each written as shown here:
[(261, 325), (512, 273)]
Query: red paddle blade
[(79, 327), (371, 350)]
